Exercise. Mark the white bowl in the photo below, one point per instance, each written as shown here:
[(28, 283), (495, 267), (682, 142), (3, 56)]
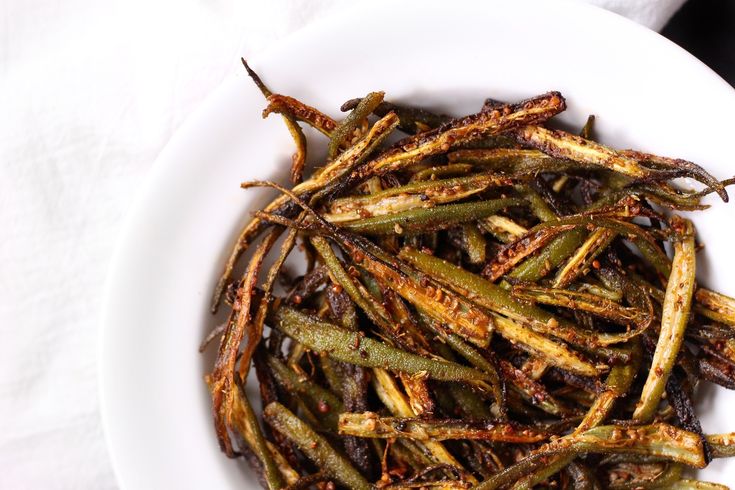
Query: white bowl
[(647, 93)]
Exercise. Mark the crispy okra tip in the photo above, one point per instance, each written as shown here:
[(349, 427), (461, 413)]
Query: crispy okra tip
[(487, 302)]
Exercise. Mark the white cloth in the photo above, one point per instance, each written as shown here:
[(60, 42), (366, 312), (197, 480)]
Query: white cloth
[(90, 92)]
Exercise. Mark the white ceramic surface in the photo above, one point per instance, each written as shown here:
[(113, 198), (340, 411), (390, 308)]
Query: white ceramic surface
[(646, 92)]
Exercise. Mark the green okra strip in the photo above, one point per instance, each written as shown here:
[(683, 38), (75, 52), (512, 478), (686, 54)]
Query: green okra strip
[(314, 446), (556, 252), (646, 244), (436, 218), (514, 473), (714, 315), (684, 168), (633, 164), (591, 303), (674, 319), (601, 290), (554, 353), (658, 440), (317, 399), (582, 259), (473, 243), (332, 374), (345, 129), (433, 173), (564, 145), (617, 459), (627, 162), (510, 255), (666, 478), (297, 110), (540, 208), (715, 306), (503, 228), (374, 310), (532, 391), (404, 324), (370, 424), (675, 198), (518, 162), (471, 128), (355, 348), (723, 445), (413, 195), (246, 422)]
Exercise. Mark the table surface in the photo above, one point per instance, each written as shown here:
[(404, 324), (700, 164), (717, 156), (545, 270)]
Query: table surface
[(706, 28)]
